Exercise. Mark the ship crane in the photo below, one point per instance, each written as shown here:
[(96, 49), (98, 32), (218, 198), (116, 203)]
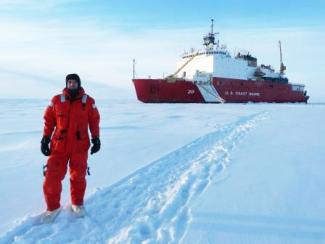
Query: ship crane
[(282, 66), (209, 42), (186, 63)]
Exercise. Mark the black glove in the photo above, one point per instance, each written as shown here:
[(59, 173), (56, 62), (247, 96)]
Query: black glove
[(96, 145), (45, 145)]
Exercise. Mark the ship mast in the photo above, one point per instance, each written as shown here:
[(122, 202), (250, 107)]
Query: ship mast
[(212, 25), (209, 39), (282, 66)]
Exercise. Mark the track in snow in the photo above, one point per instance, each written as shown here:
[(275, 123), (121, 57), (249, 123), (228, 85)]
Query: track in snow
[(150, 205)]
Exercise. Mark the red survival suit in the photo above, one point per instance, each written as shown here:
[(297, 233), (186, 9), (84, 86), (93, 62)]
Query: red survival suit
[(70, 120)]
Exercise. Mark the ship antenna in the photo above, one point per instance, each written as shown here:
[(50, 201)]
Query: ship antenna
[(133, 68), (212, 26)]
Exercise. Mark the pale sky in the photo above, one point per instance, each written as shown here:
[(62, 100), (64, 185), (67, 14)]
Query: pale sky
[(41, 42)]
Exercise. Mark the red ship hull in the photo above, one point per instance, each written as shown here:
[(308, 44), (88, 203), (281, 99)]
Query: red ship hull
[(220, 90)]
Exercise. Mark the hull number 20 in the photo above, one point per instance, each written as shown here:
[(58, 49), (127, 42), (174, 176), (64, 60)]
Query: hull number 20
[(190, 92)]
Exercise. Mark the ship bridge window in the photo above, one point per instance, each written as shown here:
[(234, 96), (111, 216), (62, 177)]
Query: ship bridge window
[(297, 88)]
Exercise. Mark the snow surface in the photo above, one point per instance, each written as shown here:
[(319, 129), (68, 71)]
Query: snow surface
[(169, 173)]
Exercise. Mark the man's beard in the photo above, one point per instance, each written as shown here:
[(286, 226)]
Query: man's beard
[(73, 92)]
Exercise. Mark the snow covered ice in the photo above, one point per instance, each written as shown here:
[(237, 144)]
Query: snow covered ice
[(175, 173)]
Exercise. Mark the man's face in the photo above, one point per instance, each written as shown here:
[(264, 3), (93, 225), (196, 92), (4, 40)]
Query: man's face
[(72, 84)]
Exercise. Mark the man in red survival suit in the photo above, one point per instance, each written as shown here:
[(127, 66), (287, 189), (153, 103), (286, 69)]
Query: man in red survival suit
[(66, 123)]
